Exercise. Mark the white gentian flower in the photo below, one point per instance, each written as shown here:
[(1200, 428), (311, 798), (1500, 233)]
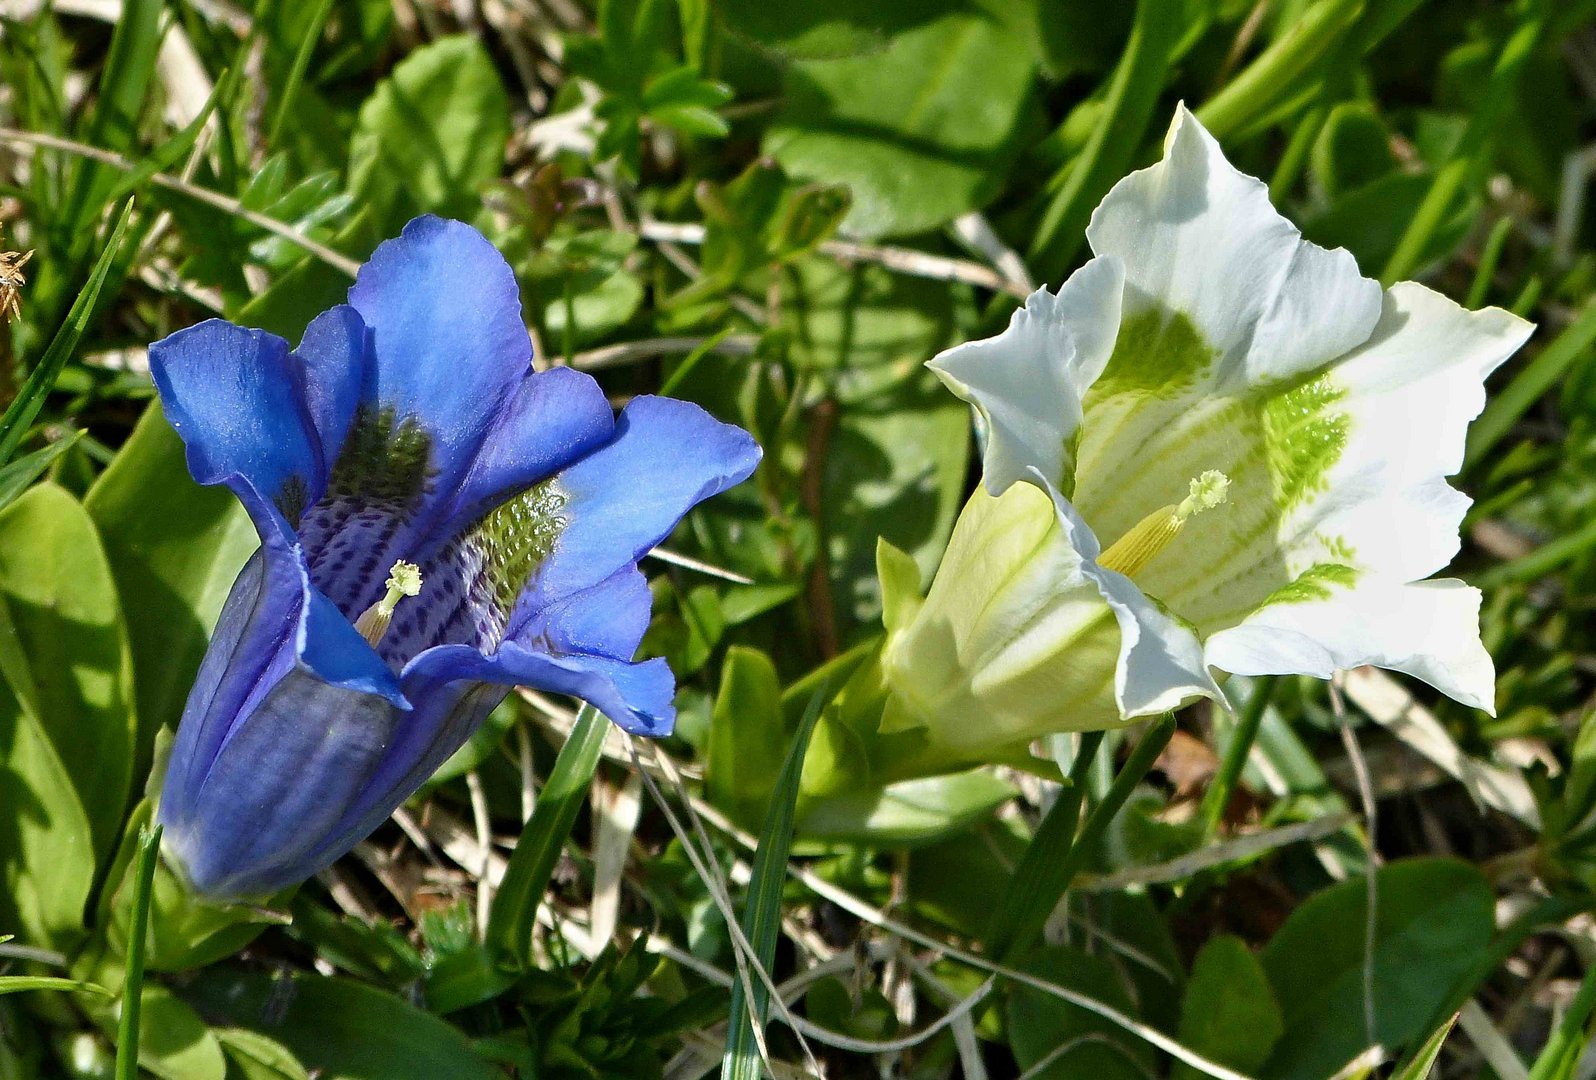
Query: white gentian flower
[(1234, 450)]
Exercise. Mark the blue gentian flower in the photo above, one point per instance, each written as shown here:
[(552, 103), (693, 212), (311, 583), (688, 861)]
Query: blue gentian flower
[(408, 437)]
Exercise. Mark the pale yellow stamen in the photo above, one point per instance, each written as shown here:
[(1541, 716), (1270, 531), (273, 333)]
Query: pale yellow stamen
[(1152, 534), (403, 580)]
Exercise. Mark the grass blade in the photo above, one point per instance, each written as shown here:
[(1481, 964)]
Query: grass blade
[(1424, 1059), (127, 1039), (515, 908), (1529, 386), (1567, 1044), (16, 476), (11, 984), (1054, 866), (762, 914), (14, 424), (1034, 889)]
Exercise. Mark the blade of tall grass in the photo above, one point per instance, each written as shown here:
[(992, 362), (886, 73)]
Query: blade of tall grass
[(1528, 386), (761, 919), (17, 476), (14, 424), (1034, 889), (127, 1038), (1127, 108), (515, 908), (1567, 1045), (124, 86)]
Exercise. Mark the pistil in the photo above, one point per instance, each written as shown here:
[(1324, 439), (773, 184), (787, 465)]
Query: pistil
[(1152, 534), (403, 580)]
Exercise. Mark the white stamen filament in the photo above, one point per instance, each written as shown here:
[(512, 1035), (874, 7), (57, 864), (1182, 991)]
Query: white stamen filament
[(1152, 534), (403, 580)]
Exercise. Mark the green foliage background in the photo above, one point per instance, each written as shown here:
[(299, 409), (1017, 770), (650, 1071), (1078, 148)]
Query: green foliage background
[(781, 211)]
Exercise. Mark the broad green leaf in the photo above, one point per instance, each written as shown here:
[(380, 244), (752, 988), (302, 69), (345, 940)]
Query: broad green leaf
[(174, 1043), (920, 132), (63, 607), (341, 1030), (431, 135), (825, 28), (46, 847), (911, 812), (257, 1057), (863, 317), (174, 549), (1039, 1024), (1433, 917), (895, 470), (1230, 1014), (746, 734)]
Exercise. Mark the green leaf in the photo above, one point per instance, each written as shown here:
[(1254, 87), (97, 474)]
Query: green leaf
[(174, 549), (515, 907), (1560, 1058), (431, 135), (256, 1057), (46, 846), (911, 812), (1423, 1062), (344, 1029), (17, 475), (761, 920), (1229, 1014), (824, 28), (746, 732), (1040, 1025), (77, 679), (1433, 917), (12, 984), (895, 469), (920, 133), (20, 413)]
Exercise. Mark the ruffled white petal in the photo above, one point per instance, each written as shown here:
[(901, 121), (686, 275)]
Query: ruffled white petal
[(1028, 381), (1201, 239), (1160, 666), (1410, 392), (1428, 629)]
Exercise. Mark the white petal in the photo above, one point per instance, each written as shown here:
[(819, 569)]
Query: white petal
[(1028, 381), (1161, 664), (1199, 238), (1429, 629)]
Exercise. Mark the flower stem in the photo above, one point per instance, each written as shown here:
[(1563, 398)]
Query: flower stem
[(127, 1040), (1217, 797)]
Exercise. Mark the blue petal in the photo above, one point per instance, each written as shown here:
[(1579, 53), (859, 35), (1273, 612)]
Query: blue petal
[(638, 697), (550, 418), (334, 354), (448, 343), (291, 770), (608, 619), (624, 498), (236, 398)]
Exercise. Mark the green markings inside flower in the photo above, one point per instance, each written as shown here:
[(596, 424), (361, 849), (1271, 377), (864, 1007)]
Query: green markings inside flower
[(385, 459), (516, 538)]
